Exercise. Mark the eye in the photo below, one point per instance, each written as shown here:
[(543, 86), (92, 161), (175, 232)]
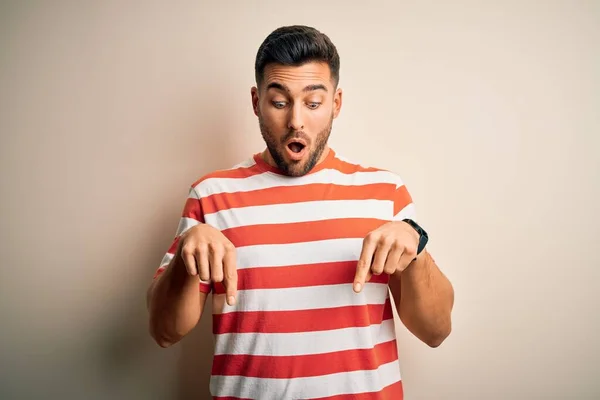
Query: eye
[(313, 105), (279, 104)]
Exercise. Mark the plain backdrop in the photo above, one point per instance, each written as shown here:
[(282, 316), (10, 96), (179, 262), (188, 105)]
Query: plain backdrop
[(490, 111)]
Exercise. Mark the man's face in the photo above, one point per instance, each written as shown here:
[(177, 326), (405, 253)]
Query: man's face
[(295, 108)]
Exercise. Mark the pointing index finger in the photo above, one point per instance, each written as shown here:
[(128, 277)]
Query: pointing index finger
[(364, 264), (230, 272)]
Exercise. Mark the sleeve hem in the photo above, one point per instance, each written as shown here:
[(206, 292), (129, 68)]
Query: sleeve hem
[(204, 287)]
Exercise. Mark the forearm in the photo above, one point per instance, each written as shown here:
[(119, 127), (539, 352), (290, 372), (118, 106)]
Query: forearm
[(175, 304), (425, 302)]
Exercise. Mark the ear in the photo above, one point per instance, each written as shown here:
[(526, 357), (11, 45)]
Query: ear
[(337, 102), (254, 94)]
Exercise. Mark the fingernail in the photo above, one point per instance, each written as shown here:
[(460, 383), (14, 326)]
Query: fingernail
[(231, 300), (357, 287)]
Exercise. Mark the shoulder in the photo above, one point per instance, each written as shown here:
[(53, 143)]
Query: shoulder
[(373, 173), (240, 171)]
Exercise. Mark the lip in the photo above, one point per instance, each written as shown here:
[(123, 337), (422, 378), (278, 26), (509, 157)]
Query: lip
[(291, 154)]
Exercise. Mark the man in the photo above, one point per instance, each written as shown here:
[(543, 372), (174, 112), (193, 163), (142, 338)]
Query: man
[(300, 249)]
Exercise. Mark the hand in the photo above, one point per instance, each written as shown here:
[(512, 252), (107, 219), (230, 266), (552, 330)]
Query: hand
[(389, 248), (208, 253)]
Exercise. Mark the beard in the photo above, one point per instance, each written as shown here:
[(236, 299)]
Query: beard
[(277, 148)]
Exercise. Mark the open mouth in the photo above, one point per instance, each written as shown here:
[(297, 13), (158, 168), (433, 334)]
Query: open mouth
[(296, 147)]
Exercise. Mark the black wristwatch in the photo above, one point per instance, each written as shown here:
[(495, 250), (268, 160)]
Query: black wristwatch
[(423, 238)]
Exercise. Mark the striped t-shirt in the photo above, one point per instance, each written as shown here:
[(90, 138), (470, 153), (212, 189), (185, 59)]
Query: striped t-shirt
[(298, 330)]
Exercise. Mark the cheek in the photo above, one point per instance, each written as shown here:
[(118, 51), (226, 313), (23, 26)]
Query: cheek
[(274, 119), (319, 119)]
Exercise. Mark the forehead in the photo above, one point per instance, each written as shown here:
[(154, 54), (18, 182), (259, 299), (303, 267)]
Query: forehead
[(296, 78)]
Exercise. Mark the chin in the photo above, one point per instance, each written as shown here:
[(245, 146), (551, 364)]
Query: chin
[(296, 170), (300, 167)]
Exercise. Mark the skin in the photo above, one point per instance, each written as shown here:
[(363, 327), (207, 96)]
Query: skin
[(296, 102), (422, 294), (300, 103)]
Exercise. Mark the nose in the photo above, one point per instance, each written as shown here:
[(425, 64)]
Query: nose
[(296, 121)]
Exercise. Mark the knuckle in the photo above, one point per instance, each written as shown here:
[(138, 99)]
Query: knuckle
[(229, 247), (387, 240), (411, 250), (216, 248), (187, 249), (377, 269)]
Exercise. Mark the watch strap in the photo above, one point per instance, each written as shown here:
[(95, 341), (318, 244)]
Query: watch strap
[(423, 237)]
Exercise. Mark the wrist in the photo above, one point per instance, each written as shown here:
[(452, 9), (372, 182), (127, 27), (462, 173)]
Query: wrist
[(421, 235), (419, 265), (177, 273)]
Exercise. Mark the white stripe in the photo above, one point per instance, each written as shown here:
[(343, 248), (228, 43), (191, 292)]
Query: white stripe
[(193, 194), (245, 164), (409, 211), (355, 162), (302, 298), (304, 343), (399, 182), (265, 180), (185, 223), (272, 255), (166, 260), (321, 251), (301, 212), (344, 159), (303, 388)]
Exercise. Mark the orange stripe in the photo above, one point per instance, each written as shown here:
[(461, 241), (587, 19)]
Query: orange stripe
[(203, 287), (402, 198), (333, 273), (229, 398), (287, 367), (302, 320), (299, 232), (174, 244), (296, 194), (394, 391), (193, 209), (158, 272)]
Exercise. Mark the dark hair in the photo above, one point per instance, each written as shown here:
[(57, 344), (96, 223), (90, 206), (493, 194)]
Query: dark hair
[(296, 45)]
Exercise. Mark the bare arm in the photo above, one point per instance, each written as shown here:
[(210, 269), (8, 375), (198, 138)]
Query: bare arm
[(424, 298), (175, 303)]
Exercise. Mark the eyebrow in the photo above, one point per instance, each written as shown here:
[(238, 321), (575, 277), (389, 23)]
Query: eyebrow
[(309, 88)]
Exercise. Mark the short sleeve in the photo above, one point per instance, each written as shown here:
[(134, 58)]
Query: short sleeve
[(403, 203), (191, 216)]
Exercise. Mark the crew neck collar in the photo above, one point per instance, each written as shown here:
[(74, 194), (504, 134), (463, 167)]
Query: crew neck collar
[(263, 165)]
